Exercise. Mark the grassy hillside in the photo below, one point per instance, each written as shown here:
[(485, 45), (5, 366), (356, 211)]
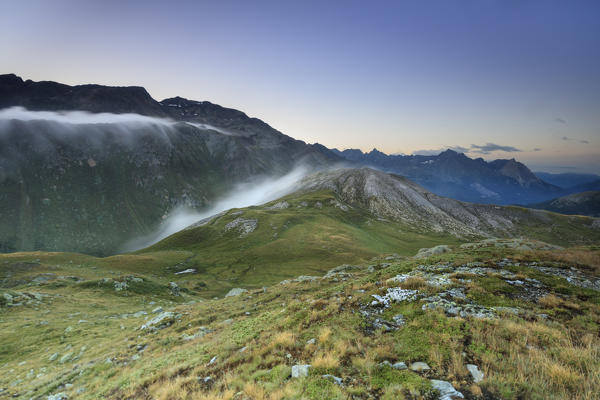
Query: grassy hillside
[(311, 235), (511, 313)]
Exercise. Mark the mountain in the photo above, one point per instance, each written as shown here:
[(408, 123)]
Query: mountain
[(585, 203), (567, 180), (332, 291), (455, 175), (585, 187), (91, 181), (346, 216)]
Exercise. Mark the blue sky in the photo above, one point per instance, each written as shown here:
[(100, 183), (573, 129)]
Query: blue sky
[(498, 79)]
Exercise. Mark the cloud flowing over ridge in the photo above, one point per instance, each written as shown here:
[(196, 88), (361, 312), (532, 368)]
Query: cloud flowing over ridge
[(253, 193)]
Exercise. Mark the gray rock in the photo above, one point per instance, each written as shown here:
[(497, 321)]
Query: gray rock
[(140, 314), (306, 278), (175, 291), (311, 341), (186, 271), (58, 396), (475, 372), (299, 371), (235, 292), (279, 206), (157, 310), (338, 381), (243, 226), (434, 251), (53, 357), (447, 391), (67, 357), (419, 366), (161, 321), (399, 365)]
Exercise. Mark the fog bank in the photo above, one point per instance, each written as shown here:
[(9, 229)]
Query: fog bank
[(256, 192)]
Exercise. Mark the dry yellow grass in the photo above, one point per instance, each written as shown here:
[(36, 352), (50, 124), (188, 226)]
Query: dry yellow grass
[(284, 339), (414, 283), (326, 360), (550, 301), (324, 334)]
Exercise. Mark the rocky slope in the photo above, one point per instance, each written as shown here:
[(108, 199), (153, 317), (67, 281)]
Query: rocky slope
[(395, 197), (455, 175), (90, 182)]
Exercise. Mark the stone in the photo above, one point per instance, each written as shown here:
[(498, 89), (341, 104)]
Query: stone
[(447, 391), (120, 286), (212, 360), (311, 341), (140, 314), (279, 206), (433, 251), (66, 357), (299, 371), (161, 321), (475, 372), (58, 396), (53, 357), (186, 271), (157, 310), (175, 291), (419, 366), (399, 365), (338, 381), (243, 226), (235, 292)]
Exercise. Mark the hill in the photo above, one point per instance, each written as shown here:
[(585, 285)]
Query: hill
[(348, 216), (586, 203)]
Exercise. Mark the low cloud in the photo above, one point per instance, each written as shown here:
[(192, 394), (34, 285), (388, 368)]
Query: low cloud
[(252, 193), (491, 147), (560, 121), (537, 149), (584, 141), (566, 138)]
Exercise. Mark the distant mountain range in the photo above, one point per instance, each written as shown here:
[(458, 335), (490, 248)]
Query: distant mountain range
[(572, 181), (455, 175)]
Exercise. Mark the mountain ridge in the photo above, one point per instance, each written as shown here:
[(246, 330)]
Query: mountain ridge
[(121, 179), (453, 174)]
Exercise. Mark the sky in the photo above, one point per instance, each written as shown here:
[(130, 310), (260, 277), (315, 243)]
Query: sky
[(494, 79)]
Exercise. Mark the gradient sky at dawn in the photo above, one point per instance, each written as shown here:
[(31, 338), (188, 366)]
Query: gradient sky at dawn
[(497, 79)]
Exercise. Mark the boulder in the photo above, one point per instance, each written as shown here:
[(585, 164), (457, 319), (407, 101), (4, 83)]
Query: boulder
[(419, 366), (161, 321), (447, 391), (299, 371), (235, 292), (475, 372)]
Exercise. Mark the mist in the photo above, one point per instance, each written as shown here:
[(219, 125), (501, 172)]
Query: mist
[(69, 121), (255, 192), (80, 117)]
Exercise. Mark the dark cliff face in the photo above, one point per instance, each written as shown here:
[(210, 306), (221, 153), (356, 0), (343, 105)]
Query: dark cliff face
[(90, 187), (455, 175)]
